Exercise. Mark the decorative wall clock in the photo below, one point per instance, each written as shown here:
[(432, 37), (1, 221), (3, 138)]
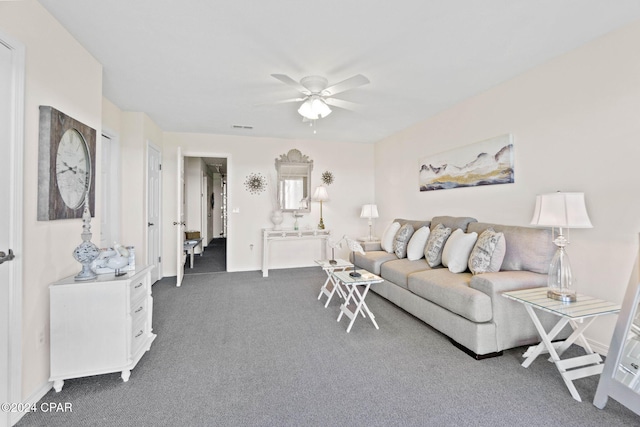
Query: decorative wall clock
[(66, 166)]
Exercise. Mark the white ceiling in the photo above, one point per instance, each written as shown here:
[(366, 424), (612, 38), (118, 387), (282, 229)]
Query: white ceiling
[(205, 65)]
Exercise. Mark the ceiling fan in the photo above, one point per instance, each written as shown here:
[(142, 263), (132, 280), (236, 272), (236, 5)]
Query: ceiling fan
[(318, 95)]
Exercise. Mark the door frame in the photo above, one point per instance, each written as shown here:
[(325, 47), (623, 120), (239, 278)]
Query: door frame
[(115, 194), (158, 274), (187, 152), (16, 147)]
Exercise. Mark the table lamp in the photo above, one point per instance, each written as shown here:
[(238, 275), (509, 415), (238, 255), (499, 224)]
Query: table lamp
[(369, 211), (561, 210), (321, 195), (354, 247)]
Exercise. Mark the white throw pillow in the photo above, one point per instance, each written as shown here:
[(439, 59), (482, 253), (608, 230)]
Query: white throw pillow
[(418, 241), (455, 254), (389, 236)]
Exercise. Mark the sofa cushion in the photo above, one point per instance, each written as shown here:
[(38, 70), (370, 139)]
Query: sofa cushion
[(453, 222), (456, 251), (401, 240), (488, 252), (452, 292), (388, 236), (526, 248), (433, 250), (372, 260), (415, 249), (397, 271)]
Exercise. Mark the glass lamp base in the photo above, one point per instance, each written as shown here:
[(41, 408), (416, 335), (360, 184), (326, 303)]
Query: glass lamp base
[(564, 296)]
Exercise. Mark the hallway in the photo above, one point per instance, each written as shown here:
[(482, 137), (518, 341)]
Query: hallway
[(213, 260)]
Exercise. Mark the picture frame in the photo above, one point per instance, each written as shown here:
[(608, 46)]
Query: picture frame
[(55, 188)]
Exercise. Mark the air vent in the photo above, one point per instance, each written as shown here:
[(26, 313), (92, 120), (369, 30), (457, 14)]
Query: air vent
[(241, 127)]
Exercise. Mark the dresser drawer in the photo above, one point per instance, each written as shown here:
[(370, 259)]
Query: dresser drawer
[(138, 310), (138, 336), (137, 288)]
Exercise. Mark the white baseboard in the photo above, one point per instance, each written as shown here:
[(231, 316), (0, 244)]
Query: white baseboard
[(598, 347), (32, 400)]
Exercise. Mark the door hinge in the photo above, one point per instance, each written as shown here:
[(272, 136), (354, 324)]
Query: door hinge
[(159, 259), (160, 166)]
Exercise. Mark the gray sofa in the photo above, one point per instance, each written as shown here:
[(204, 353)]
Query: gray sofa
[(467, 308)]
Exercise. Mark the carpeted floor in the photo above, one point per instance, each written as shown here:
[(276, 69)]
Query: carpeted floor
[(237, 349), (213, 259)]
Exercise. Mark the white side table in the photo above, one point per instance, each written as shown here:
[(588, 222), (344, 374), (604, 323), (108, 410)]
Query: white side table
[(579, 314), (331, 285), (355, 297)]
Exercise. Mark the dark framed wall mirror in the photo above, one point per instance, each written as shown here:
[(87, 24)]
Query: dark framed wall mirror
[(620, 378)]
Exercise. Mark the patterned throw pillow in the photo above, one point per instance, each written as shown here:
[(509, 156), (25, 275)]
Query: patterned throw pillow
[(435, 243), (488, 253), (402, 240)]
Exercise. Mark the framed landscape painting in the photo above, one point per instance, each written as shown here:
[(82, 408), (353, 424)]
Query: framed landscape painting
[(486, 162)]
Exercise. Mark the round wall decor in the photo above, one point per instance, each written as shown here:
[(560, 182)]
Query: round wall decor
[(255, 183)]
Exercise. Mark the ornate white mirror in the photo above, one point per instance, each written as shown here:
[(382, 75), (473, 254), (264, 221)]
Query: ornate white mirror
[(294, 181), (620, 378)]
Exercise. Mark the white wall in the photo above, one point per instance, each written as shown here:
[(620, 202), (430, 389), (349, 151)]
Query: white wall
[(576, 128), (59, 73), (351, 164)]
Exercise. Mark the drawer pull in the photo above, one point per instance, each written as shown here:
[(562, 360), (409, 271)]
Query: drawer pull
[(139, 333), (138, 285), (139, 309)]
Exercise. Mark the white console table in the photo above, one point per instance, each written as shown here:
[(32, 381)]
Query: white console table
[(269, 235)]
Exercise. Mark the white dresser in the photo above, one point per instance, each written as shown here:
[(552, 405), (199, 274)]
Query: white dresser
[(100, 326)]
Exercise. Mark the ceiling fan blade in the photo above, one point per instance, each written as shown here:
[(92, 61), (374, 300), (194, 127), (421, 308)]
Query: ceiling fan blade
[(341, 103), (350, 83), (284, 101), (289, 81)]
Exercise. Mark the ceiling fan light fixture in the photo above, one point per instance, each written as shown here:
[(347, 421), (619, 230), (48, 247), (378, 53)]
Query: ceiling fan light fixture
[(314, 108)]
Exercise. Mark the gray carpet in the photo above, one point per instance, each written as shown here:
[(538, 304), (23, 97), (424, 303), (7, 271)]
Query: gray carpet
[(236, 349), (212, 260)]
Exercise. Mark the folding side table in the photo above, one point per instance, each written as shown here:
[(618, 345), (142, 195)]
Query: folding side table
[(579, 314), (355, 298), (331, 285)]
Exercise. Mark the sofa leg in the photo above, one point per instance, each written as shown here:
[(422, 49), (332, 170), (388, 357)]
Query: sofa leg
[(474, 355)]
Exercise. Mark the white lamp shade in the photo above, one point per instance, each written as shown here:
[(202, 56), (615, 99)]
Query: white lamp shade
[(561, 210), (314, 108), (321, 194), (369, 211)]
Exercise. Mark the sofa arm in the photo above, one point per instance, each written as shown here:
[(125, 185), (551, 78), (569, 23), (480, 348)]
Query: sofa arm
[(494, 284), (513, 325), (371, 246)]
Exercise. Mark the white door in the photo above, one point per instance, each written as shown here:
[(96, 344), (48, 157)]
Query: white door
[(11, 147), (179, 223), (153, 210)]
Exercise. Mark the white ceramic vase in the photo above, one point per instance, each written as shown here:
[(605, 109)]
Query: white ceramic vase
[(276, 218)]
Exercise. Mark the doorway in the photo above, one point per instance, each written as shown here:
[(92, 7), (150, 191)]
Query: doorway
[(11, 145), (206, 211), (154, 206)]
